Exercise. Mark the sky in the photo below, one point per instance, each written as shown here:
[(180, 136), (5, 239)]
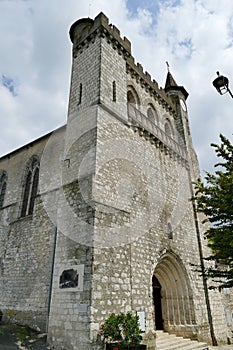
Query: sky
[(194, 36)]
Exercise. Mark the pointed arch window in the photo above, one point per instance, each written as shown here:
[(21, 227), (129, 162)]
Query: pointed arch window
[(30, 188), (152, 114), (3, 183), (168, 128), (133, 101)]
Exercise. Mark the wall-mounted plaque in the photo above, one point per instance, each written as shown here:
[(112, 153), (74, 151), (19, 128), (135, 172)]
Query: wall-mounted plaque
[(141, 320), (71, 278), (68, 279)]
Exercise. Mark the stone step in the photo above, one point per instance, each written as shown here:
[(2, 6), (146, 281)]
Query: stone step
[(166, 341)]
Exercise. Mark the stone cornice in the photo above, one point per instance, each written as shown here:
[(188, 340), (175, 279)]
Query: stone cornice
[(151, 86)]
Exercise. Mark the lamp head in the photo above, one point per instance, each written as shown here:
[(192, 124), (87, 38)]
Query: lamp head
[(221, 84)]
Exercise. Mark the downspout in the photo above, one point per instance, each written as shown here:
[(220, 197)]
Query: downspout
[(204, 278), (51, 277)]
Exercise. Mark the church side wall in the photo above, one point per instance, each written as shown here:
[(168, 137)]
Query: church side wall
[(26, 244)]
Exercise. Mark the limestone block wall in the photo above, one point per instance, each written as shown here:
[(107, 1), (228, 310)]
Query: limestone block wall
[(69, 321), (26, 262), (138, 190), (70, 308), (113, 83), (26, 243), (85, 80), (145, 187)]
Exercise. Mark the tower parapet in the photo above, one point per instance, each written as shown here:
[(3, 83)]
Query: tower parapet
[(144, 78), (85, 30)]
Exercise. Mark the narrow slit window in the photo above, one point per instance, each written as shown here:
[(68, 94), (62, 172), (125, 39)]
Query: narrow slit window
[(3, 183), (114, 91), (80, 93)]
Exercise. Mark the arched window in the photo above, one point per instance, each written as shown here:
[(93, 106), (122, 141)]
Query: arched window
[(168, 128), (132, 96), (133, 101), (30, 188), (152, 114), (3, 183)]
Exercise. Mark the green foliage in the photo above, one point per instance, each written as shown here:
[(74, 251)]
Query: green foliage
[(214, 198), (122, 328), (22, 334)]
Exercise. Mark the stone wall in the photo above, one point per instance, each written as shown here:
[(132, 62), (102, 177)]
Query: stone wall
[(26, 243), (139, 195)]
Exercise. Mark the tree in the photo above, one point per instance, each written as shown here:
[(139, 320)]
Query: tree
[(214, 198)]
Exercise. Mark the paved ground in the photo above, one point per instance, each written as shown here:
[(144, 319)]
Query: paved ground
[(14, 337)]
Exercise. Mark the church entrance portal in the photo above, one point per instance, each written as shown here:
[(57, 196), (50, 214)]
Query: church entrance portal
[(157, 303), (172, 296)]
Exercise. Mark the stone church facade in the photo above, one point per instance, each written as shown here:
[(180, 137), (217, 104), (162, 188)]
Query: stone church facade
[(96, 216)]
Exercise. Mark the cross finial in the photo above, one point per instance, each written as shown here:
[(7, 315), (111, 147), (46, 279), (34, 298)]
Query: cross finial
[(168, 67)]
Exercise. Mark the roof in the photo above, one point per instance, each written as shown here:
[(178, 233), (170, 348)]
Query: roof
[(172, 85), (170, 81)]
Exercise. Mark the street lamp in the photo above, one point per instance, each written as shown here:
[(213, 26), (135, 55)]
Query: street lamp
[(221, 84)]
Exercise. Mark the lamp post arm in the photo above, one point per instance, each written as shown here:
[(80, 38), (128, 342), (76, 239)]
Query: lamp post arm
[(230, 93)]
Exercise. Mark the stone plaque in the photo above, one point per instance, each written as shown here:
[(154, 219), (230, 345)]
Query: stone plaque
[(141, 320), (71, 278)]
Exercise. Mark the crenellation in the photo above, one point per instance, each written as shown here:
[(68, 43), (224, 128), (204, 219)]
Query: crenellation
[(136, 72), (116, 31), (81, 36), (148, 76), (102, 29)]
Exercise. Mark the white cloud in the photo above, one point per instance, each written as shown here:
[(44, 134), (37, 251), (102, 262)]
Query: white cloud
[(195, 36)]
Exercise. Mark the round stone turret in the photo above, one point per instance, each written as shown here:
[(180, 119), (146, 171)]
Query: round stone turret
[(80, 29)]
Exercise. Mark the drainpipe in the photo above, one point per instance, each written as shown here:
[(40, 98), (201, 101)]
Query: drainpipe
[(51, 277), (204, 278)]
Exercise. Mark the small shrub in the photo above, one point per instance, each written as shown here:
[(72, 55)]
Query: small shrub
[(122, 328)]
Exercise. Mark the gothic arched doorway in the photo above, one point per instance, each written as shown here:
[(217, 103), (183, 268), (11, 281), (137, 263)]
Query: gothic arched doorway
[(173, 300), (157, 303)]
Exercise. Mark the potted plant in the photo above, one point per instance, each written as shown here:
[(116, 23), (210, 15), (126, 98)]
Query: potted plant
[(122, 332)]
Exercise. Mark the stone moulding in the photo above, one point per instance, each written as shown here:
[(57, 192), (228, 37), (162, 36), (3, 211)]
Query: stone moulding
[(141, 124), (144, 79)]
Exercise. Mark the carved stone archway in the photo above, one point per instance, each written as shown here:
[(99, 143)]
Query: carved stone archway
[(176, 297)]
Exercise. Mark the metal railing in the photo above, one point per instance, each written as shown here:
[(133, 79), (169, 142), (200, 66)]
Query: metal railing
[(137, 118)]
